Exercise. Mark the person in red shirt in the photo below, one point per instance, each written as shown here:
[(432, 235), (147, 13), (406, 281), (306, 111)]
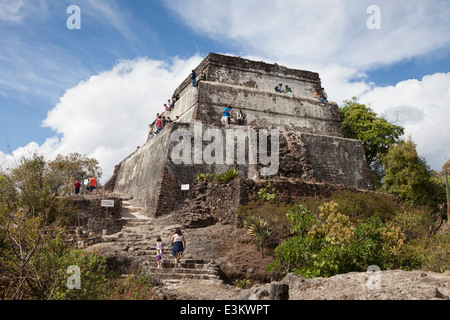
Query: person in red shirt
[(77, 186), (159, 124)]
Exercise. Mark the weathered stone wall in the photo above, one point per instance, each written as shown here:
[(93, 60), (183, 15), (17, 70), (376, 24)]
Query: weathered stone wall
[(92, 218), (264, 77), (253, 74), (154, 174), (337, 160), (141, 174), (267, 109), (185, 108), (311, 144)]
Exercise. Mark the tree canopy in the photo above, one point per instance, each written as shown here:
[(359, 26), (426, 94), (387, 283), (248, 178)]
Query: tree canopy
[(35, 205), (408, 176), (376, 133)]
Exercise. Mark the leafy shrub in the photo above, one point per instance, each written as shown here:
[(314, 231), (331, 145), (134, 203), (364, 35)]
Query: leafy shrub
[(219, 178), (414, 223), (265, 193), (53, 262), (134, 287), (243, 283), (433, 254), (360, 206), (331, 243), (272, 212)]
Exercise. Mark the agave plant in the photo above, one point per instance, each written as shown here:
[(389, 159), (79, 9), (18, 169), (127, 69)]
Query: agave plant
[(260, 230), (201, 177), (226, 176)]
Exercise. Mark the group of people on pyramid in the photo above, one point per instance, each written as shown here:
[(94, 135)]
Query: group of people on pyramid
[(319, 93)]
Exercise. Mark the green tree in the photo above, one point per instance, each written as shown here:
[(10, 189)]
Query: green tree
[(33, 211), (376, 133), (53, 262), (408, 176), (68, 168)]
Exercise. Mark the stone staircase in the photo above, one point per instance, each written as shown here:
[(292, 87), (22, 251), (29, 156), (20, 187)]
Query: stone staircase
[(186, 269), (137, 239)]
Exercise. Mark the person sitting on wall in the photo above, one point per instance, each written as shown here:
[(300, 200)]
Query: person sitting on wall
[(164, 122), (318, 96), (171, 104), (289, 91), (202, 77), (279, 88), (177, 119), (324, 94), (159, 125), (175, 98), (240, 118)]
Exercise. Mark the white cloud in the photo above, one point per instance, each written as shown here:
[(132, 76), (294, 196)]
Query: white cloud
[(11, 10), (328, 31), (421, 107), (331, 37), (107, 116)]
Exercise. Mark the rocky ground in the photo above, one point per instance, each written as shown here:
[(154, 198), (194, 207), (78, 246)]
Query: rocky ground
[(385, 285), (220, 254)]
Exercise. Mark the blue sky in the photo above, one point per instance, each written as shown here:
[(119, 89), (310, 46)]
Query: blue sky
[(64, 90), (41, 38)]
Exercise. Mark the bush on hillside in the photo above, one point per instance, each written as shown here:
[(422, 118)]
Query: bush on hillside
[(331, 243)]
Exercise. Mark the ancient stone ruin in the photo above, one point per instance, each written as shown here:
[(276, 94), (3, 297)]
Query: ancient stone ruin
[(291, 138), (294, 143)]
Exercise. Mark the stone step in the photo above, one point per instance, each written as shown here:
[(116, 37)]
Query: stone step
[(165, 270), (183, 265), (181, 276), (130, 207), (123, 196), (136, 222)]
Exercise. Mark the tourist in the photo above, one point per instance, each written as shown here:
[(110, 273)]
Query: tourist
[(202, 77), (177, 119), (166, 107), (226, 114), (77, 186), (159, 251), (150, 135), (178, 245), (164, 122), (193, 77), (240, 118), (92, 183), (324, 94), (319, 97), (157, 115), (279, 88), (159, 125), (289, 91)]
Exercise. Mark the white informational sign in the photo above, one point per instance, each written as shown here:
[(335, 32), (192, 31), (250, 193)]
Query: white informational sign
[(184, 187), (107, 203)]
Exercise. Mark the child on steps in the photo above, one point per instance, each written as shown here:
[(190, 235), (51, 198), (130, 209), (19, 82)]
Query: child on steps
[(159, 251)]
